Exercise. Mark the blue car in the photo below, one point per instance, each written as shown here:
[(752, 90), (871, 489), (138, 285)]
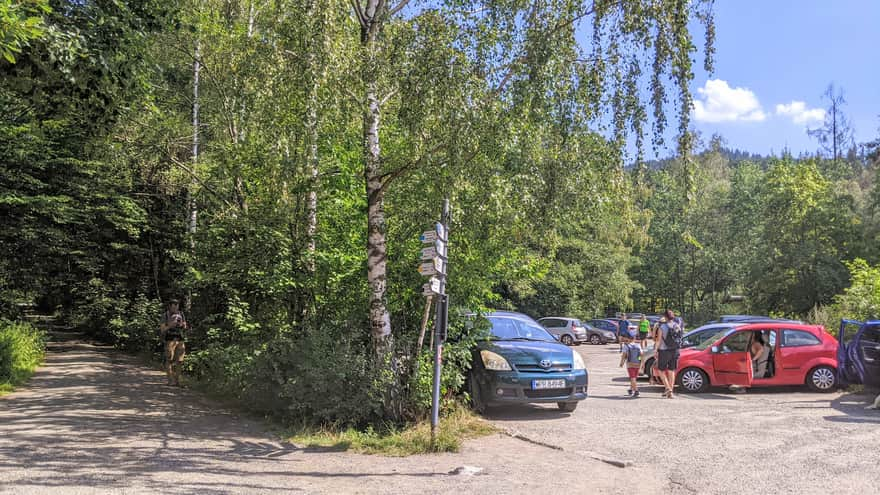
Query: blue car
[(521, 363), (858, 355)]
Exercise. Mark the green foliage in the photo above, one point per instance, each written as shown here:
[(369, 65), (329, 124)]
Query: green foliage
[(807, 227), (20, 22), (775, 232), (392, 440), (861, 300), (21, 350)]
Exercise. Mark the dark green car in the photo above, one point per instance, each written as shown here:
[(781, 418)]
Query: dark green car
[(522, 363)]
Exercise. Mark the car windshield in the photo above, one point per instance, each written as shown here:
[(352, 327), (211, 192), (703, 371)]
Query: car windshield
[(517, 329), (712, 337)]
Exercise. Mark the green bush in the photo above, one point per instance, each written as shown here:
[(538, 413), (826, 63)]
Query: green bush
[(135, 326), (128, 322), (859, 301), (294, 377), (21, 350)]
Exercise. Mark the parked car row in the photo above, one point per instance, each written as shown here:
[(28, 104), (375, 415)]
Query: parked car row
[(525, 361), (571, 331)]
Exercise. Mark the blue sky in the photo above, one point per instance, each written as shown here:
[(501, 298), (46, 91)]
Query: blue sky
[(786, 52)]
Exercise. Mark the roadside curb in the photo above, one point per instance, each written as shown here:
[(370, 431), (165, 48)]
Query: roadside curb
[(519, 436), (593, 455)]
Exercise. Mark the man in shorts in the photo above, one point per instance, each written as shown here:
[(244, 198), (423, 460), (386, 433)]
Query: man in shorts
[(644, 326), (171, 327), (667, 352)]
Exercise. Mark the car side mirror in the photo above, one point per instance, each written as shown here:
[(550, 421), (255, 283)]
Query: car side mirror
[(714, 349)]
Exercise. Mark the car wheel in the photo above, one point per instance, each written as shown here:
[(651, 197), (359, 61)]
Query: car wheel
[(693, 380), (567, 406), (822, 379), (477, 402), (567, 340), (649, 367), (595, 339)]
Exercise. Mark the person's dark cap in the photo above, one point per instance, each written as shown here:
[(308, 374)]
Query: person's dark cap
[(173, 301)]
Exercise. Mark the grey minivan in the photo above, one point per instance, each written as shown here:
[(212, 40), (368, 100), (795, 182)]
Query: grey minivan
[(571, 331)]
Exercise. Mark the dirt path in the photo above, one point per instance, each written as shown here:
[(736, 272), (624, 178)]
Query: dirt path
[(95, 421)]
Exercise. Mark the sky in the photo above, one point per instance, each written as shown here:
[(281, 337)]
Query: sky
[(774, 60)]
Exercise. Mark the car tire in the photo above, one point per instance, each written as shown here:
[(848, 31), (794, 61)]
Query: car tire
[(566, 339), (567, 406), (693, 380), (477, 402), (595, 339), (649, 367), (822, 379)]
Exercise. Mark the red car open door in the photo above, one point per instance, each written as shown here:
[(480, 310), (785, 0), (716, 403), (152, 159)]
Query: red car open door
[(732, 361)]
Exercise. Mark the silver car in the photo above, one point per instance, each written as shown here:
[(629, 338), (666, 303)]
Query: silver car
[(571, 331)]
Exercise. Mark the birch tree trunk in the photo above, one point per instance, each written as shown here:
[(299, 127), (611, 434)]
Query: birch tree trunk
[(193, 213), (312, 165), (380, 321), (311, 124)]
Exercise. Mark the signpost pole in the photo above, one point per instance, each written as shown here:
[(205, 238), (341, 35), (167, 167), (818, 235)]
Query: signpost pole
[(440, 324)]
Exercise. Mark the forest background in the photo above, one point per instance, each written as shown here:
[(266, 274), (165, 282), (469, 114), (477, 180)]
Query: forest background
[(271, 163)]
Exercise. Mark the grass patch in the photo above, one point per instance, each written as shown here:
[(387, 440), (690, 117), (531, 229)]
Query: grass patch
[(22, 347), (459, 425)]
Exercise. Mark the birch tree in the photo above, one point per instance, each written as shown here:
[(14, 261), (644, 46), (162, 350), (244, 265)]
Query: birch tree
[(518, 49)]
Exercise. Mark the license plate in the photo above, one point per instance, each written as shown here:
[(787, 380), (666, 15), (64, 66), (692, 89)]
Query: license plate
[(542, 384)]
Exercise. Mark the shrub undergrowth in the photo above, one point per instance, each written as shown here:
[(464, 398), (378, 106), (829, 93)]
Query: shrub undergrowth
[(21, 350), (394, 440)]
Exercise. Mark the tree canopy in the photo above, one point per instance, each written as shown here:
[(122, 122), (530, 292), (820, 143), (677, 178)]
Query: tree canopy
[(272, 163)]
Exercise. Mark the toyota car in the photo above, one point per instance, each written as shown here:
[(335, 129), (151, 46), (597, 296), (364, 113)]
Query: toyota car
[(521, 363)]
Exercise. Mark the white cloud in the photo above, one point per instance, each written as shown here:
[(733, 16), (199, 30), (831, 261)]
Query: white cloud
[(799, 112), (720, 103)]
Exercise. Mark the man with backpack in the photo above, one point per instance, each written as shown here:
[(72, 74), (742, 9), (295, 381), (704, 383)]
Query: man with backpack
[(667, 351)]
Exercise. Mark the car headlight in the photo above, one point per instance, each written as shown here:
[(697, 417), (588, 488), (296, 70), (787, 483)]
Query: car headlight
[(578, 361), (494, 362)]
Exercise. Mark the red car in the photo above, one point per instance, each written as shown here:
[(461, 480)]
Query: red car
[(762, 355)]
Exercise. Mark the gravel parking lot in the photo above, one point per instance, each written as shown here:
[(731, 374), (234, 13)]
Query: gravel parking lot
[(786, 440), (96, 421)]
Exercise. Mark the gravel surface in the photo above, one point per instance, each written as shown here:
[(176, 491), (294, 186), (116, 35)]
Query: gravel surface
[(765, 441), (94, 421)]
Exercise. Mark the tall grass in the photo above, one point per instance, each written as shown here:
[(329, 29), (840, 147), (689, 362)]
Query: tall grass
[(22, 347), (396, 441)]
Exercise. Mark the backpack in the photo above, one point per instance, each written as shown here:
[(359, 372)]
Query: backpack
[(633, 353), (673, 337)]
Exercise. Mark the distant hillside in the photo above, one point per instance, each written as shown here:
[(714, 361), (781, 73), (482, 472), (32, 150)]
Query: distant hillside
[(734, 155)]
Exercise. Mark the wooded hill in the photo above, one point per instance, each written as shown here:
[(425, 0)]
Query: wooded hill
[(272, 163)]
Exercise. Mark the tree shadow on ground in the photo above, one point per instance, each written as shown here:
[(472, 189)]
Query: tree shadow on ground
[(94, 418)]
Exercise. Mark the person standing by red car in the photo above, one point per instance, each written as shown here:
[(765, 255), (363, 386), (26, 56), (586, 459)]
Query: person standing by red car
[(667, 351)]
